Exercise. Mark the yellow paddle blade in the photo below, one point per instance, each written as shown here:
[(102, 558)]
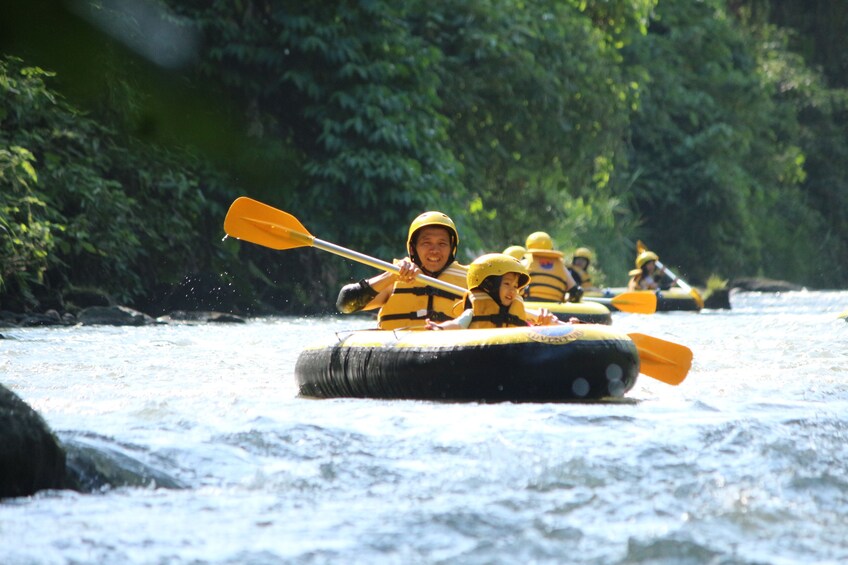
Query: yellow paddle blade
[(636, 302), (259, 223), (663, 360), (843, 315)]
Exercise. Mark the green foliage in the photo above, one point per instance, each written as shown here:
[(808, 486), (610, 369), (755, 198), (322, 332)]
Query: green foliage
[(105, 211), (818, 103), (355, 92), (714, 156), (25, 240), (536, 102)]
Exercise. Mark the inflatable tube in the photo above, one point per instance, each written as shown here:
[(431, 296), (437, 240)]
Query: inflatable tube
[(528, 364), (671, 300), (586, 312)]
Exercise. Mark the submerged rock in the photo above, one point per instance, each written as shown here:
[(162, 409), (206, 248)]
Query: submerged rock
[(49, 318), (181, 316), (114, 316), (95, 463), (31, 458), (717, 299), (760, 284)]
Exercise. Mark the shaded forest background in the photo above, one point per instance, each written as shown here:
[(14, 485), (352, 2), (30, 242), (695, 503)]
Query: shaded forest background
[(716, 131)]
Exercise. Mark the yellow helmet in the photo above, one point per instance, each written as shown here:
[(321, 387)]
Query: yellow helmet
[(645, 257), (494, 264), (428, 219), (539, 240), (515, 251), (583, 252)]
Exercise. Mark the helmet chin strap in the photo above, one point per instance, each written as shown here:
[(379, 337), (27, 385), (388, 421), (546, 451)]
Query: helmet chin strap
[(491, 286)]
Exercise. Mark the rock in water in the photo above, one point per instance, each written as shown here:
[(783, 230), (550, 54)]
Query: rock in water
[(31, 458)]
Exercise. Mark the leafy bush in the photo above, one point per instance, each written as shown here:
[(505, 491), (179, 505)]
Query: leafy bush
[(90, 207)]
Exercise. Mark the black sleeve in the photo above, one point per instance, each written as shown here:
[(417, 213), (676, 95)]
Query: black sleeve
[(664, 281), (576, 276), (354, 297)]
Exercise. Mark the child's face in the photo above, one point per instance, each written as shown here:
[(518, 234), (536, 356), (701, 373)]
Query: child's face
[(509, 288)]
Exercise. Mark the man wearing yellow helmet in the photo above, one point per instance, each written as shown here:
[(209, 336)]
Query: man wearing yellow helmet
[(646, 276), (550, 280), (494, 300), (432, 243)]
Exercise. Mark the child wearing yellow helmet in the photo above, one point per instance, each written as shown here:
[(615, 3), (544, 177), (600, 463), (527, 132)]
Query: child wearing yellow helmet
[(403, 301), (494, 299)]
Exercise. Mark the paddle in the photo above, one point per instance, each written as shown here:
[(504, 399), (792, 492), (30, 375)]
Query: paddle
[(663, 360), (259, 223), (633, 302), (696, 296)]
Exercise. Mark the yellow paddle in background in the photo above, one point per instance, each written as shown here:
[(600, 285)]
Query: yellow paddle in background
[(633, 302), (696, 296), (264, 225)]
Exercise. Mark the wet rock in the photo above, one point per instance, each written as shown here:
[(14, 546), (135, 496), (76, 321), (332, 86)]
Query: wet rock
[(95, 463), (113, 316), (31, 458), (9, 319), (180, 316), (717, 299), (49, 318), (760, 284)]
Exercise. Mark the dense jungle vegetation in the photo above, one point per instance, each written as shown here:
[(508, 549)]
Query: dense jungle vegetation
[(715, 130)]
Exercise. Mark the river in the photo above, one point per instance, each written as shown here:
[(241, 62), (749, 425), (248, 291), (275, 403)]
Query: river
[(745, 462)]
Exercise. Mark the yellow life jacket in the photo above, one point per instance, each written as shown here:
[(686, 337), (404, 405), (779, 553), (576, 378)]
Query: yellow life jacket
[(638, 281), (488, 314), (410, 304), (583, 278), (548, 277)]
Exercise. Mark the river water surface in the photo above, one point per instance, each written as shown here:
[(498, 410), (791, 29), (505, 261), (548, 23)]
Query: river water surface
[(745, 462)]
